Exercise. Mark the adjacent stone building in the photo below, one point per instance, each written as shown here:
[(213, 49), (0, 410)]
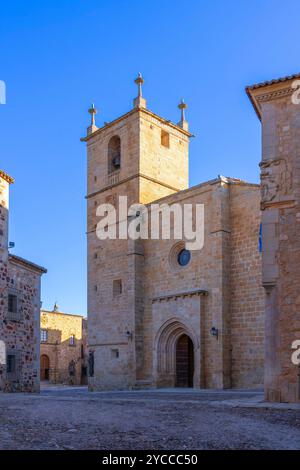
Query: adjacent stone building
[(63, 348), (158, 313), (277, 104), (20, 300)]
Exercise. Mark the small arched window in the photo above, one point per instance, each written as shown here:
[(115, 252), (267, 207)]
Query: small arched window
[(114, 154)]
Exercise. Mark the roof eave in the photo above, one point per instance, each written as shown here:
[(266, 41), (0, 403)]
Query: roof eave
[(254, 90), (6, 177), (253, 101), (27, 264)]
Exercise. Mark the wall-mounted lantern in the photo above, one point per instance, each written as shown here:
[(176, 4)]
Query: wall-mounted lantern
[(214, 332), (129, 334)]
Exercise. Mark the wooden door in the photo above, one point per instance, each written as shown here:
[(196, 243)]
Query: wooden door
[(45, 367), (184, 362)]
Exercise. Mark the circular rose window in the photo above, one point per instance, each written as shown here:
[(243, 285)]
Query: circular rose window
[(184, 257), (179, 256)]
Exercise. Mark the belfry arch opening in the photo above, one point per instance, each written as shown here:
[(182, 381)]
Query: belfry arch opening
[(114, 154)]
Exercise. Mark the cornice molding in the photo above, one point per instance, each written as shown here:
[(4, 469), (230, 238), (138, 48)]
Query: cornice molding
[(129, 113), (270, 91), (276, 94), (176, 295), (129, 178)]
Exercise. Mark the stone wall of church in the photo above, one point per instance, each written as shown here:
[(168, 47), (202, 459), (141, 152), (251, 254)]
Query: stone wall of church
[(166, 165), (228, 279), (246, 291), (139, 298), (220, 288), (111, 313), (115, 333), (97, 153)]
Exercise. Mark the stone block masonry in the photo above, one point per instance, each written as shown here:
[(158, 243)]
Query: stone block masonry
[(279, 113), (20, 300), (63, 348), (213, 304)]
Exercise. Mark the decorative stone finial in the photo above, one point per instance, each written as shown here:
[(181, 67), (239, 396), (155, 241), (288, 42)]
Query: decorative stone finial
[(139, 81), (183, 123), (55, 308), (139, 101), (92, 112), (92, 128)]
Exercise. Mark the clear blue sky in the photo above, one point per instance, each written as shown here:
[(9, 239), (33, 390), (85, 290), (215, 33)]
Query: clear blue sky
[(59, 56)]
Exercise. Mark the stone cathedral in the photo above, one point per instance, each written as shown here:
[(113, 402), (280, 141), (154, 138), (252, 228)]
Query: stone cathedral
[(160, 315)]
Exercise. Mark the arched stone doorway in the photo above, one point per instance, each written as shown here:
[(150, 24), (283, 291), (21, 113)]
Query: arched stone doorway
[(45, 367), (176, 356), (184, 362)]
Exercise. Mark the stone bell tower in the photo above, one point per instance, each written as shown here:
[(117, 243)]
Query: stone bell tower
[(144, 157), (5, 181), (277, 104)]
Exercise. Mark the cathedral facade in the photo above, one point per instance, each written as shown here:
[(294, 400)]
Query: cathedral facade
[(160, 314)]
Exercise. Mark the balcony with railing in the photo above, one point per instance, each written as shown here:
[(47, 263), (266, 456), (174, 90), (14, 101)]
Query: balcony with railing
[(113, 177)]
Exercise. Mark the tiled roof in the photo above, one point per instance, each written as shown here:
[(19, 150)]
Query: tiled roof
[(25, 262), (274, 81), (6, 177)]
